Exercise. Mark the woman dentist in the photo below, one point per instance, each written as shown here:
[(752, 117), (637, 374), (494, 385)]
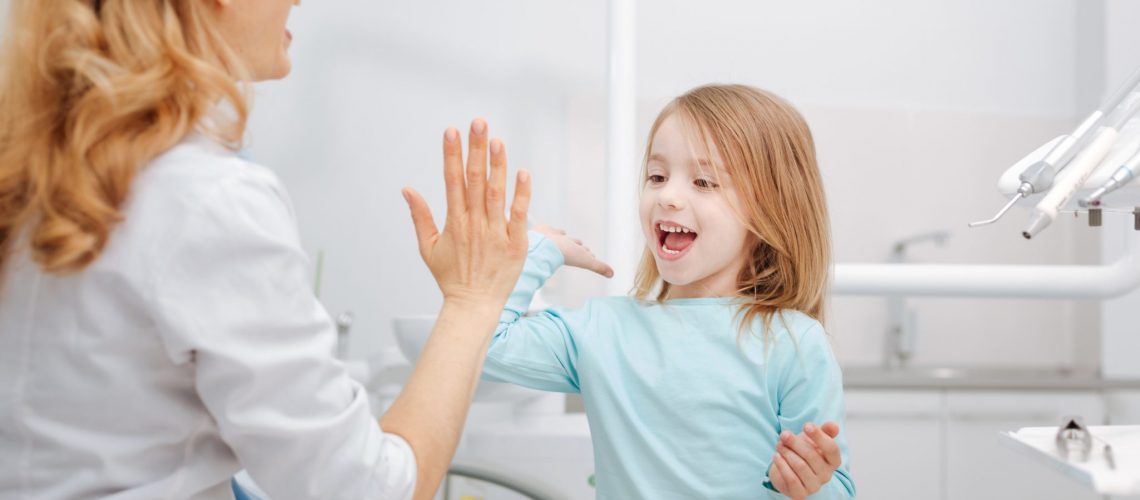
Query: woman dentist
[(157, 327)]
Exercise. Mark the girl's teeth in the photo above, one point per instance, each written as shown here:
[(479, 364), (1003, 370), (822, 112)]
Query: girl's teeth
[(674, 229)]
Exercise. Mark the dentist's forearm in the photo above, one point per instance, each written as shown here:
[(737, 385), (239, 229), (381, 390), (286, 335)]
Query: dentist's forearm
[(431, 410)]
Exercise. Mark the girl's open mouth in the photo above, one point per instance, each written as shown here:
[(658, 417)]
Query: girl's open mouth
[(673, 240)]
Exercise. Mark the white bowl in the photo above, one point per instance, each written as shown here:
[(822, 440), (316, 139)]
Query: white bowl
[(412, 333)]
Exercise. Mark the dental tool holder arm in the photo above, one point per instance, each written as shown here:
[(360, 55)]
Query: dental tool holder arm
[(1017, 281)]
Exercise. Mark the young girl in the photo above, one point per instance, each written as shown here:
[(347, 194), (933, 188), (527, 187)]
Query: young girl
[(709, 383)]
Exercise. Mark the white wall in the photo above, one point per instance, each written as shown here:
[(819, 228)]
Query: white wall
[(1121, 344), (916, 106), (374, 86)]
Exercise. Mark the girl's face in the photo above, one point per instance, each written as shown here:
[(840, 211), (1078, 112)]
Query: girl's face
[(256, 30), (689, 215)]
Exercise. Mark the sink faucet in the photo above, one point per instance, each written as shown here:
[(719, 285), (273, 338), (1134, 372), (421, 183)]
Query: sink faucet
[(343, 325), (901, 332)]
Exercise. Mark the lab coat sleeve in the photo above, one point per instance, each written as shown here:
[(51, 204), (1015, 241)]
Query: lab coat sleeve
[(538, 351), (811, 390), (234, 299)]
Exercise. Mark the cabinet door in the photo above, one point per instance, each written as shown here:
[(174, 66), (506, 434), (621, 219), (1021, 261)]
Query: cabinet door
[(981, 467), (895, 443)]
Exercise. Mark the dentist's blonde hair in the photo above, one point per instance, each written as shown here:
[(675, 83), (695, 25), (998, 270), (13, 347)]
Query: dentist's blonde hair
[(90, 90), (769, 154)]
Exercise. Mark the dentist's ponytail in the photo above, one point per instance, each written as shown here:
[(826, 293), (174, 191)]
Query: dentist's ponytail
[(90, 90)]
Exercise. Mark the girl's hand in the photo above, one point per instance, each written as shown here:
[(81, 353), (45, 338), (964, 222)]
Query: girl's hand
[(575, 253), (479, 255), (804, 463)]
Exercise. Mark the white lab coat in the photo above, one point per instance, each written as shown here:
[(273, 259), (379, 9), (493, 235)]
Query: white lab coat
[(191, 348)]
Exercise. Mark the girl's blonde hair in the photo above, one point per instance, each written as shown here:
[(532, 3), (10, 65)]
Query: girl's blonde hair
[(90, 90), (768, 152)]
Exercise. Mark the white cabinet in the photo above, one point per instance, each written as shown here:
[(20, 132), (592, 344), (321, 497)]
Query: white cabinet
[(895, 441), (944, 443)]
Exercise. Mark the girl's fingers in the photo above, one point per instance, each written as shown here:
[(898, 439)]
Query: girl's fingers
[(808, 477), (793, 486), (601, 268), (777, 478), (477, 167), (823, 438), (453, 173), (805, 449), (497, 185)]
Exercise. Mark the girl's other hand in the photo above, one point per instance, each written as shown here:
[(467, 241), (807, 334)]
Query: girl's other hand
[(478, 257), (575, 253), (804, 463)]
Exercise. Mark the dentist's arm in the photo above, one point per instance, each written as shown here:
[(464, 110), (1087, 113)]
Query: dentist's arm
[(476, 261)]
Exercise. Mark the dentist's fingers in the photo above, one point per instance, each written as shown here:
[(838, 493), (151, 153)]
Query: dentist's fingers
[(516, 228), (497, 186), (426, 231), (453, 173), (477, 168)]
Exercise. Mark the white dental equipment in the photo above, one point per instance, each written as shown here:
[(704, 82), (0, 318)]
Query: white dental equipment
[(1081, 150), (1123, 175)]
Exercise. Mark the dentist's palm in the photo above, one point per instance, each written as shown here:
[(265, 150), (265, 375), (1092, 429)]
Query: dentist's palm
[(479, 255)]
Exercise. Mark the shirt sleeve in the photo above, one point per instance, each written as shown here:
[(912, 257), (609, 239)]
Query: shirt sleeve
[(235, 299), (538, 351), (811, 390)]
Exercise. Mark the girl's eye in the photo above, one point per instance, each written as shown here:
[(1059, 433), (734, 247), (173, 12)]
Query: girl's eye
[(656, 178), (705, 184)]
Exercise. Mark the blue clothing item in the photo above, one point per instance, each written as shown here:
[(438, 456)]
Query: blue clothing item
[(680, 405), (239, 492)]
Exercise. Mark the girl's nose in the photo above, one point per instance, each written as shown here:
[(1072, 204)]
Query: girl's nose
[(670, 198)]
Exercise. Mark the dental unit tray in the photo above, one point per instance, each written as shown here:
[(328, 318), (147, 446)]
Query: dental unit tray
[(1114, 473)]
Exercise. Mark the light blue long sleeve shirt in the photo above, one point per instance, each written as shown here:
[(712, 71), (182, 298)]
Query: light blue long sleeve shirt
[(679, 406)]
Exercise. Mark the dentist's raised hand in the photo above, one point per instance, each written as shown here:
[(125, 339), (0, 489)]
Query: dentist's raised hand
[(480, 253), (574, 252), (476, 261)]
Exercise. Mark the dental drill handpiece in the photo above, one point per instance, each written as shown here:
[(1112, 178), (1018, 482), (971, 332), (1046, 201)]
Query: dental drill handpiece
[(1089, 159), (1123, 175), (1040, 176)]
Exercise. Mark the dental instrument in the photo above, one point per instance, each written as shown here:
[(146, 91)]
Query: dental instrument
[(1074, 442), (1123, 175), (1040, 176), (1082, 166)]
